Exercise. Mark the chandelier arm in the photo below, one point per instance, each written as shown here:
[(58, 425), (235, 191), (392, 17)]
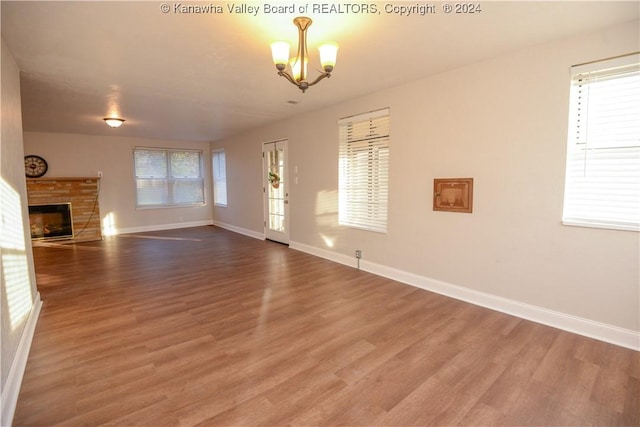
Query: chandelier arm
[(288, 77), (320, 77)]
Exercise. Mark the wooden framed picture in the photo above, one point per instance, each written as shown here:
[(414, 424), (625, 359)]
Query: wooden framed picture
[(453, 194)]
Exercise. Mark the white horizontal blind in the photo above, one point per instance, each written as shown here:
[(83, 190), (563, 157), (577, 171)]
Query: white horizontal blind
[(602, 187), (219, 178), (364, 171), (168, 177)]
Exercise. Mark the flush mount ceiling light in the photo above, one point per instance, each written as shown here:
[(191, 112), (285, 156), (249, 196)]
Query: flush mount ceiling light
[(113, 122), (298, 65)]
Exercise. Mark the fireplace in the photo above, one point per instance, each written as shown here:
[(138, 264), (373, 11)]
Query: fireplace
[(51, 221)]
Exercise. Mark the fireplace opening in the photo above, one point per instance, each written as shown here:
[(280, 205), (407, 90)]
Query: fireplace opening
[(51, 221)]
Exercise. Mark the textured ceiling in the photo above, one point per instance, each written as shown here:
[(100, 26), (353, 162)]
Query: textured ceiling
[(186, 75)]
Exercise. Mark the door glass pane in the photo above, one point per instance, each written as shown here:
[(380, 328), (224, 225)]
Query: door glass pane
[(276, 188)]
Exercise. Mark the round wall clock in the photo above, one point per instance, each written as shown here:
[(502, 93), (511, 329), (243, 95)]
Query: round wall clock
[(35, 166)]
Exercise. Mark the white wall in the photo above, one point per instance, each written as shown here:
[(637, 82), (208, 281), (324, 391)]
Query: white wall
[(18, 295), (71, 155), (502, 122)]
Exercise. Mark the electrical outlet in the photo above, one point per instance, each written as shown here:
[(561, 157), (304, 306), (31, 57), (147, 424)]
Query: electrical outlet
[(358, 253)]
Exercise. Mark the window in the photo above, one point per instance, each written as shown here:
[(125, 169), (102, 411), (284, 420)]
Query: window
[(602, 186), (364, 171), (168, 177), (219, 178)]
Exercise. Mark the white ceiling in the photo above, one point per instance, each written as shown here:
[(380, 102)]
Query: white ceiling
[(205, 76)]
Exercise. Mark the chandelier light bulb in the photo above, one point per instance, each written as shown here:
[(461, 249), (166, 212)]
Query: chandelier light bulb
[(280, 53), (328, 55)]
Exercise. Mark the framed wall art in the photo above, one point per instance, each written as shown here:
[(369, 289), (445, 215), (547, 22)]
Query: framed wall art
[(453, 194)]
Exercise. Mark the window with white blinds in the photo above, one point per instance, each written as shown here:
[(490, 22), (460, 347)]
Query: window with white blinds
[(363, 190), (166, 177), (219, 178), (602, 186)]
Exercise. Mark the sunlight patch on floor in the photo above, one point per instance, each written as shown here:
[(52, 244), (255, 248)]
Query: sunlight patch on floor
[(138, 236)]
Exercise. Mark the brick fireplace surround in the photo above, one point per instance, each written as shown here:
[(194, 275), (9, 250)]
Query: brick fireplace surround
[(82, 193)]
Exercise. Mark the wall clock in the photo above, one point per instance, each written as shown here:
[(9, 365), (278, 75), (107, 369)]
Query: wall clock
[(35, 166)]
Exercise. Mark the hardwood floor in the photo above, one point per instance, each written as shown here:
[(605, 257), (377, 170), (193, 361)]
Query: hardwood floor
[(201, 326)]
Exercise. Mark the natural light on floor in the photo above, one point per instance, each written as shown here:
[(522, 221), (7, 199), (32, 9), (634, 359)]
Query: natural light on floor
[(138, 236), (15, 268)]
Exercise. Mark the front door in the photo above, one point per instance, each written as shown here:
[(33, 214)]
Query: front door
[(276, 191)]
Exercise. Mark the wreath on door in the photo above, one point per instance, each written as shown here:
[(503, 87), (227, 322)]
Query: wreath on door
[(274, 179)]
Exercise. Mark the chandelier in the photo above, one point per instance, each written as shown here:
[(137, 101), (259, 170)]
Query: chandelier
[(298, 65)]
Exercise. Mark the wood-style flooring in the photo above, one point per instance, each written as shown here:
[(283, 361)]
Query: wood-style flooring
[(205, 327)]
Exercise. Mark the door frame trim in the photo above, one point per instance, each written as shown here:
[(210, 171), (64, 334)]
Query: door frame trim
[(265, 213)]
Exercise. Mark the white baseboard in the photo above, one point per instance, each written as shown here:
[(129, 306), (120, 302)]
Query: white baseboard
[(239, 230), (11, 389), (323, 253), (578, 325), (160, 227)]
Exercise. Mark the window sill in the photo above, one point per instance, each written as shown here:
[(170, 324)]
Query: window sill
[(147, 207), (606, 226)]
